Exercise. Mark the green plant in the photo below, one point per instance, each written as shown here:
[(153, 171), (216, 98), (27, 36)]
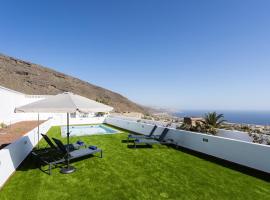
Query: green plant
[(212, 121), (257, 138), (105, 100), (245, 128), (210, 124)]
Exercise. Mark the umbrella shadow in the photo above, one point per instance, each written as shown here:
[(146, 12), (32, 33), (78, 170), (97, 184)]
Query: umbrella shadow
[(143, 146), (31, 163), (127, 141)]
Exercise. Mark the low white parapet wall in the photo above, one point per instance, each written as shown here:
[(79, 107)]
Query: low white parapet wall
[(244, 153), (12, 155), (61, 121), (234, 134)]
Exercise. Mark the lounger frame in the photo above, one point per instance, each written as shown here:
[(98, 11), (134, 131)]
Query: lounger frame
[(150, 136), (160, 140), (60, 156)]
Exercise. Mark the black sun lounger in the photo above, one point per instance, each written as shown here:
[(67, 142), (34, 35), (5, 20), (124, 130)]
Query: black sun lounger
[(132, 136), (160, 140), (52, 159), (71, 147)]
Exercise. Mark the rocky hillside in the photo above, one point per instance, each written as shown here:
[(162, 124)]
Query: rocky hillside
[(30, 78)]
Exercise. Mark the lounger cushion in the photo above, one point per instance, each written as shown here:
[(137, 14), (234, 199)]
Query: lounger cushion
[(81, 143), (137, 136), (92, 147), (83, 152)]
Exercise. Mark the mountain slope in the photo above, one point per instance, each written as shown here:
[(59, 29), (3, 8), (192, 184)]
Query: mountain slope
[(30, 78)]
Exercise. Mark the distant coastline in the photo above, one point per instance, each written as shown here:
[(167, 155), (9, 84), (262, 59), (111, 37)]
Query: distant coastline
[(241, 117)]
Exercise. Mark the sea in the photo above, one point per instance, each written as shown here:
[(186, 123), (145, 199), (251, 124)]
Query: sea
[(241, 117)]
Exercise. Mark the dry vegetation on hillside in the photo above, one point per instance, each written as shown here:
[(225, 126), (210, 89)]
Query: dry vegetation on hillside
[(30, 78)]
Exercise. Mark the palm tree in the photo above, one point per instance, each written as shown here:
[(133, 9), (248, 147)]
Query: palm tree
[(213, 121)]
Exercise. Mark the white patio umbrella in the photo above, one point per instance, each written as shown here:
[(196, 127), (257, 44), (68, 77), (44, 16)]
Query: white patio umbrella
[(64, 103)]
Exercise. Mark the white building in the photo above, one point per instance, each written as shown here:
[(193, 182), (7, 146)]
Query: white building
[(10, 99)]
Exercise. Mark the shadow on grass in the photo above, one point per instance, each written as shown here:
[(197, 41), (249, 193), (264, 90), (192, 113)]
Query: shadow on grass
[(132, 146), (234, 166), (127, 141), (31, 163)]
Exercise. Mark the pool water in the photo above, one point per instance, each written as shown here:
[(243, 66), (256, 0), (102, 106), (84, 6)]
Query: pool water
[(87, 130)]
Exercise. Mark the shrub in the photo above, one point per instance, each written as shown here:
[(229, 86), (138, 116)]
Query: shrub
[(3, 125)]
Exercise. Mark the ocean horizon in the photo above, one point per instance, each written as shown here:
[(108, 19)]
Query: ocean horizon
[(242, 117)]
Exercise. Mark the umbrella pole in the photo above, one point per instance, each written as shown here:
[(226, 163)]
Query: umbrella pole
[(38, 132), (68, 169), (68, 130)]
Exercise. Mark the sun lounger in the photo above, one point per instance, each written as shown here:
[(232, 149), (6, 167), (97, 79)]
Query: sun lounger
[(132, 136), (70, 146), (58, 157), (160, 140)]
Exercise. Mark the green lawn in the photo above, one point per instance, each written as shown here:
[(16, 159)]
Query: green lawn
[(160, 172)]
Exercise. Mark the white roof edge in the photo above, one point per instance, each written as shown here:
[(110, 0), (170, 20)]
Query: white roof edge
[(26, 95), (10, 90)]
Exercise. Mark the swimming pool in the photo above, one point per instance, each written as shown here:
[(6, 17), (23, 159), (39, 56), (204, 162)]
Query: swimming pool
[(87, 130)]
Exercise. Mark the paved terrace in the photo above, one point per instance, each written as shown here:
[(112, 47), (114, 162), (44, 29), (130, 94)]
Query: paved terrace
[(15, 131), (160, 172)]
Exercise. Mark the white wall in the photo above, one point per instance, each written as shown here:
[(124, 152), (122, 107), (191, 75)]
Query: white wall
[(12, 155), (10, 99), (61, 119), (158, 123), (238, 135), (248, 154)]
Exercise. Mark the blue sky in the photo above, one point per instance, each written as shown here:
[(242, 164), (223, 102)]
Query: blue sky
[(174, 54)]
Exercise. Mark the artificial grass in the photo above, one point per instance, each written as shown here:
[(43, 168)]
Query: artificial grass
[(160, 172)]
